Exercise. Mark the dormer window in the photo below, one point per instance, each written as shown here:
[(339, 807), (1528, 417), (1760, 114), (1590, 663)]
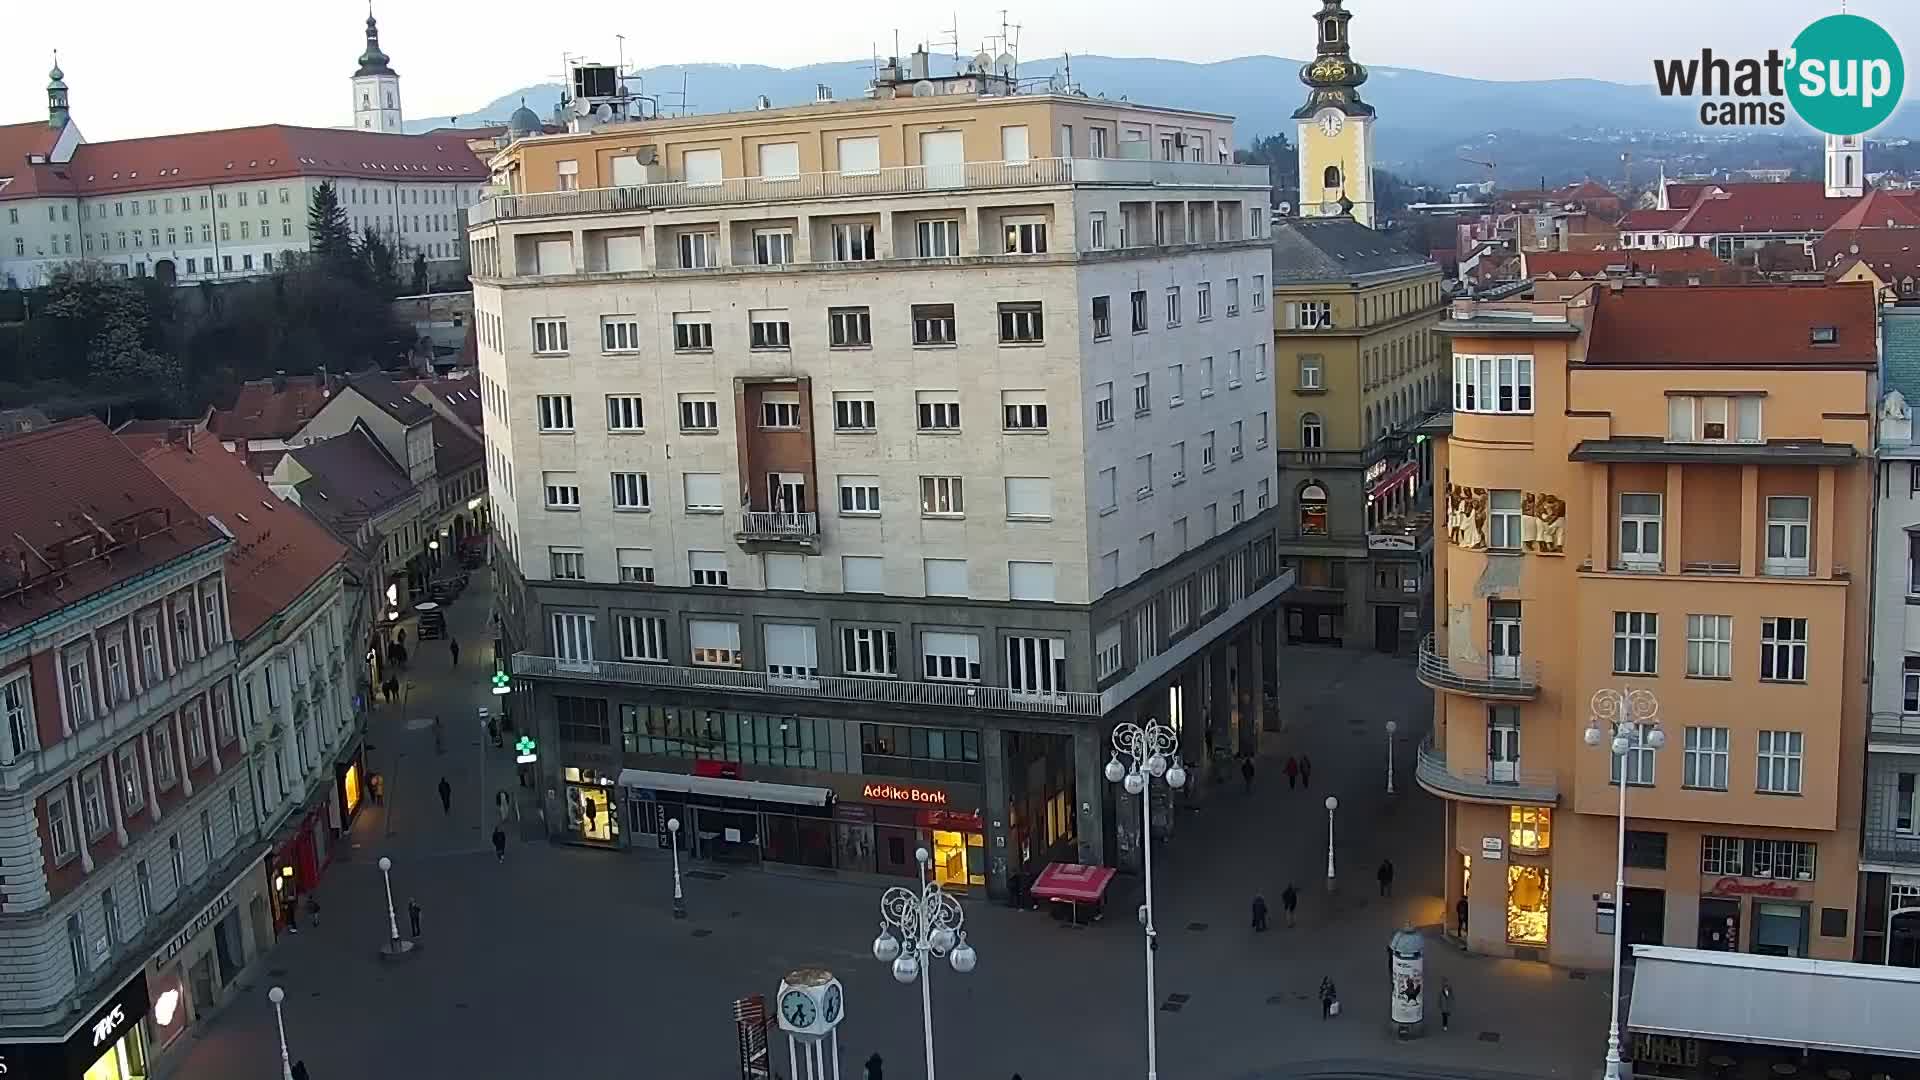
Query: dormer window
[(1825, 335)]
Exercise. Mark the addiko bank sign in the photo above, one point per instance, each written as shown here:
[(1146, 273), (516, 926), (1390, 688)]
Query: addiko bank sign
[(904, 793)]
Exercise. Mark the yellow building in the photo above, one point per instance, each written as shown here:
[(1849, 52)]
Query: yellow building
[(1358, 369), (1335, 126)]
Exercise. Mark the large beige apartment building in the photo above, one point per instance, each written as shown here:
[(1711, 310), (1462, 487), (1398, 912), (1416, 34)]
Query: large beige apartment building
[(858, 464)]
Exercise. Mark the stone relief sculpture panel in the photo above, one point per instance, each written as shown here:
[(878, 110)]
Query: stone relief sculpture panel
[(1543, 523), (1467, 517)]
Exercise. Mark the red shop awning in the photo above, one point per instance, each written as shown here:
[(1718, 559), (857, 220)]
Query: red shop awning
[(1072, 882), (1398, 475)]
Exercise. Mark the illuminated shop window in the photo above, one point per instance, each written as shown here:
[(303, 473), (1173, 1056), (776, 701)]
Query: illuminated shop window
[(1530, 828), (1527, 899)]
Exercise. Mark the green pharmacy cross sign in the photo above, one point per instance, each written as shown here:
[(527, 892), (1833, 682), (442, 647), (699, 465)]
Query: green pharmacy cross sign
[(525, 751), (500, 684)]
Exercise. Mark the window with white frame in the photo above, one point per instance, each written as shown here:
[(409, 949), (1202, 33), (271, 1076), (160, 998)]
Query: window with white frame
[(853, 411), (699, 412), (937, 238), (1707, 752), (791, 651), (1789, 521), (642, 638), (769, 328), (704, 492), (937, 410), (573, 636), (1636, 642), (869, 652), (1493, 384), (942, 496), (193, 727), (707, 567), (549, 336), (945, 577), (1139, 311), (1236, 447), (563, 490), (1638, 759), (1206, 376), (1025, 235), (1910, 685), (1312, 370), (1779, 761), (1107, 489), (1107, 658), (16, 704), (631, 492), (1713, 418), (556, 412), (1030, 498), (1022, 324), (1312, 432), (133, 791), (1173, 305), (569, 564), (1905, 804), (1203, 301), (1259, 297), (1102, 316), (780, 410), (772, 247), (860, 495), (1710, 646), (636, 565), (625, 413), (1233, 370), (213, 616), (60, 826), (1640, 531), (79, 674), (950, 657), (1723, 856), (1103, 405), (1503, 520), (1036, 664), (699, 250), (1024, 410), (853, 242), (1097, 230), (619, 334), (1142, 394), (93, 804), (1146, 630), (1783, 650), (692, 331), (714, 643), (1310, 315), (933, 324), (166, 768), (849, 327)]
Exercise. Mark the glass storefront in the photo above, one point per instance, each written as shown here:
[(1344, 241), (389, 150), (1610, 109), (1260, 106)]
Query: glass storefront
[(1529, 828), (126, 1059), (1779, 929), (1528, 896), (591, 814)]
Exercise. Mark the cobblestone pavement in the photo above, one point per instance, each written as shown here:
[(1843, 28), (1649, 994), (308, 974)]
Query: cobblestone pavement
[(565, 960)]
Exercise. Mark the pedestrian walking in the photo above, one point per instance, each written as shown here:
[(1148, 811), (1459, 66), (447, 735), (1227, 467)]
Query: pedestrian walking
[(1292, 769), (453, 646), (1446, 1004), (1306, 771), (1384, 876), (403, 637), (1259, 914), (502, 803), (313, 909), (1289, 900), (1329, 998), (300, 1070), (413, 915), (446, 796), (293, 915), (378, 783), (1460, 915), (499, 844), (1246, 772), (873, 1068)]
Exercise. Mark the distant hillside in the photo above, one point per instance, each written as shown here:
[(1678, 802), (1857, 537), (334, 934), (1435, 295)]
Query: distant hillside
[(1422, 114)]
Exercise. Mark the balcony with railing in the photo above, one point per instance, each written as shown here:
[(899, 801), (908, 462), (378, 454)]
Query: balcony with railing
[(1495, 781), (779, 530), (1896, 729), (901, 180), (897, 692), (1509, 678)]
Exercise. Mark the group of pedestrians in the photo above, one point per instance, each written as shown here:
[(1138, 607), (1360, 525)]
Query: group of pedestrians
[(499, 827)]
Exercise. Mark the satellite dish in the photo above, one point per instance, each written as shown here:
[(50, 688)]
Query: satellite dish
[(603, 112), (982, 62), (923, 88), (1005, 63)]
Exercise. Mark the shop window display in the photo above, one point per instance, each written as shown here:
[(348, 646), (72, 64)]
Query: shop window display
[(1530, 828), (590, 812), (1528, 896)]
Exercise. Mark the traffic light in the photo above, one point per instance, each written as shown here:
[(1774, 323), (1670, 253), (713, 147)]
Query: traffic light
[(526, 752), (501, 682)]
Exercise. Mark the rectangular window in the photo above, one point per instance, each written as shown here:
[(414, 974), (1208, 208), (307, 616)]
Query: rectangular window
[(950, 657), (1710, 646), (1636, 642), (1203, 301), (790, 651), (1503, 520), (619, 334), (692, 331), (1723, 856), (780, 410), (1910, 685), (869, 652), (582, 720), (699, 414), (1783, 650), (937, 410), (1646, 850), (1030, 498), (563, 490), (937, 238), (1103, 405), (1788, 532), (1030, 581), (945, 577), (16, 704), (549, 336), (1707, 752), (863, 573), (1640, 531), (699, 250), (1142, 394), (1493, 384), (1107, 658), (1903, 806), (704, 492), (93, 804), (1024, 410), (1311, 370), (859, 495), (933, 324), (1233, 297), (769, 328), (1173, 305), (942, 496), (625, 413), (853, 242), (630, 491), (849, 328), (1779, 761), (573, 636), (1021, 324), (1140, 312), (853, 412), (1638, 760), (772, 247), (1107, 490), (1097, 230), (133, 791), (636, 565), (1102, 318), (1026, 236), (1036, 665), (708, 568), (556, 412), (60, 833)]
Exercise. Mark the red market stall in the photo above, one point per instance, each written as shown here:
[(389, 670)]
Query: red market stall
[(1074, 884)]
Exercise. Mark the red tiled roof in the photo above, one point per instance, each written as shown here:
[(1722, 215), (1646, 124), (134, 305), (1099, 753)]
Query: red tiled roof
[(1797, 206), (1683, 196), (19, 177), (1585, 189), (1651, 220), (1738, 326), (1636, 260), (263, 412), (1886, 251), (265, 152), (60, 488), (1877, 209), (461, 396), (278, 550)]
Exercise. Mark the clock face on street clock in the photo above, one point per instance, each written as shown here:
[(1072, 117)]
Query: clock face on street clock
[(797, 1009), (830, 1009), (1330, 122)]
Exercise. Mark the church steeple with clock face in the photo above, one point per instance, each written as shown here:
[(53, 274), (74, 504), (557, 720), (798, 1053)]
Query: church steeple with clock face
[(1335, 126)]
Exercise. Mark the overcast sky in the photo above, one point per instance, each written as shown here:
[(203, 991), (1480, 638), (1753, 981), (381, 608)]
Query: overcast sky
[(146, 68)]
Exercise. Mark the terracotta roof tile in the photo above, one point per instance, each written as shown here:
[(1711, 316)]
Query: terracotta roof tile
[(1878, 209), (350, 479), (66, 490), (1651, 220), (1885, 250), (1734, 326), (278, 550), (1796, 206), (264, 410), (1683, 196), (1635, 260)]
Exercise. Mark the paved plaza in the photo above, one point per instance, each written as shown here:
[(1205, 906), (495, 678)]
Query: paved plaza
[(565, 960)]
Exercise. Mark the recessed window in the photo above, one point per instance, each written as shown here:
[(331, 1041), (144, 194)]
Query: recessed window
[(1102, 317), (569, 564), (937, 238), (769, 328), (1789, 520), (942, 496), (1707, 755), (860, 495), (937, 410), (933, 324), (1024, 410), (704, 492), (692, 331), (631, 492), (1029, 498), (1636, 642), (699, 250), (853, 412), (562, 489), (1140, 311), (1103, 405), (1022, 324), (772, 247), (549, 336), (699, 414), (1026, 236), (853, 242), (1503, 520), (636, 568), (1493, 384), (1779, 765), (625, 413), (780, 410), (849, 328), (1640, 531), (1710, 646), (1783, 650), (556, 412), (713, 643), (707, 568), (619, 334)]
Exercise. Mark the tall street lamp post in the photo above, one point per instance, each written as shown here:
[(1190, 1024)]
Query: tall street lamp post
[(928, 924), (277, 995), (679, 899), (1332, 805), (1147, 750), (1391, 728), (1627, 721)]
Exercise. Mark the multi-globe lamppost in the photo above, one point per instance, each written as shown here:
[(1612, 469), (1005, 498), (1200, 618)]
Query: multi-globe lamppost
[(1627, 721), (928, 924), (1147, 750)]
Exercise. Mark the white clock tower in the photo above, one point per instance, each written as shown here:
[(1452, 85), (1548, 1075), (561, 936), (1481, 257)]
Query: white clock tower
[(1335, 126), (1846, 171), (376, 87)]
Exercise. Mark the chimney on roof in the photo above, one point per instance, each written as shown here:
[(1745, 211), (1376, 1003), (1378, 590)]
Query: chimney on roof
[(1615, 284)]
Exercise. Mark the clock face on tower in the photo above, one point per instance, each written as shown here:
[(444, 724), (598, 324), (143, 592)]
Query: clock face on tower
[(797, 1009), (1330, 121), (830, 1009)]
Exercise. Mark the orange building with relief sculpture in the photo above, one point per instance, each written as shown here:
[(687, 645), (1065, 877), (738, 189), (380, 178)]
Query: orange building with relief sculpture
[(1666, 489)]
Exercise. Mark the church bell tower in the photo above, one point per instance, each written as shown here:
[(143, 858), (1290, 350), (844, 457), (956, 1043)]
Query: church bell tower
[(376, 87), (1335, 134)]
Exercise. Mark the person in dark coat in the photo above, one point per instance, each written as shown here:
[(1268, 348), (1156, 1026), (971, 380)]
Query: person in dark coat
[(413, 915), (300, 1070), (1289, 900), (1259, 914), (446, 796), (873, 1068), (1384, 875), (453, 646), (1460, 915), (1292, 769), (1446, 1004), (499, 844), (1329, 997), (1306, 771), (1246, 772)]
